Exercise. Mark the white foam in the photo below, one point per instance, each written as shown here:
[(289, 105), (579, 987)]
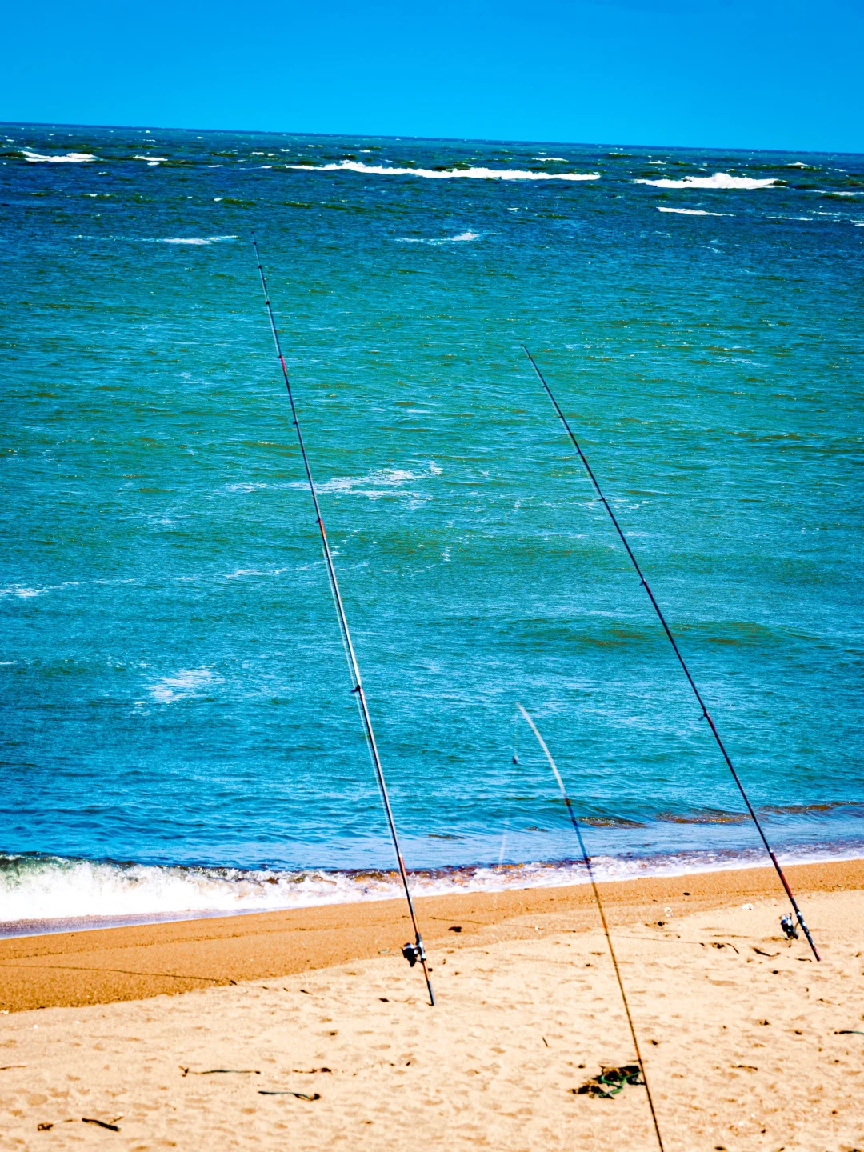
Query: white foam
[(549, 159), (447, 174), (241, 573), (24, 592), (195, 239), (184, 685), (80, 890), (691, 211), (463, 237), (77, 890), (718, 180), (152, 161), (376, 484), (68, 158)]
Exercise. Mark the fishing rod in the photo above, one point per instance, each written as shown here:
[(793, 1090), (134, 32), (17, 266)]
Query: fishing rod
[(590, 867), (415, 952), (786, 922)]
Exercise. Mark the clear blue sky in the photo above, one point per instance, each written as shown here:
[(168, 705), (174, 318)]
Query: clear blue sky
[(721, 73)]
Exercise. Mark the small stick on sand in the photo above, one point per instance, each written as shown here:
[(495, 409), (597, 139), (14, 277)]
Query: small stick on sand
[(220, 1071)]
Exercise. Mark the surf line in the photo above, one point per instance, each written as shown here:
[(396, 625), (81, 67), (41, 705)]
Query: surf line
[(786, 923), (590, 868), (413, 953)]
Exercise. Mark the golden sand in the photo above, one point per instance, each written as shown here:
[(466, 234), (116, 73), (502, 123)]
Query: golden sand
[(326, 1039)]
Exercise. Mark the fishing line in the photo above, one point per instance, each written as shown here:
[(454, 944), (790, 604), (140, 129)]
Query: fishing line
[(690, 679), (590, 867), (415, 952)]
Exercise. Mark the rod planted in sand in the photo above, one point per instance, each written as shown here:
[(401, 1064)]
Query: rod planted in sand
[(412, 952), (677, 650), (590, 868)]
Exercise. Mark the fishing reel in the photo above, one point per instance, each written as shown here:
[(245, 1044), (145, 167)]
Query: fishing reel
[(414, 953), (790, 931)]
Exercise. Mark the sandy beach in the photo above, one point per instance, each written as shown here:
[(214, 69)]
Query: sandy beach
[(307, 1028)]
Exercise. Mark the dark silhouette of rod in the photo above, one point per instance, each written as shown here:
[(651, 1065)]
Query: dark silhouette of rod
[(672, 641), (587, 859), (412, 952)]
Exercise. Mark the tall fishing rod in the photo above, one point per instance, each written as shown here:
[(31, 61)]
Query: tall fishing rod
[(412, 952), (590, 867), (788, 926)]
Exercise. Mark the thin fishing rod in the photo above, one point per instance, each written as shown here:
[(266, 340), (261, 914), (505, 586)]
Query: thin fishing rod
[(672, 641), (412, 952), (590, 867)]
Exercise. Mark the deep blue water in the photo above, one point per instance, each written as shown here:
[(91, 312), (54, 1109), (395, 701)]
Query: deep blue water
[(173, 684)]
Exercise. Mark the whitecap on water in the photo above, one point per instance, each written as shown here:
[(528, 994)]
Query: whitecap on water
[(67, 158), (445, 174), (184, 685), (195, 239), (24, 592), (463, 237), (718, 180), (691, 211), (376, 484), (242, 573)]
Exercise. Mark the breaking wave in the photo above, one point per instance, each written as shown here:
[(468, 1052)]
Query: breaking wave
[(66, 158), (51, 893), (690, 211), (445, 173), (195, 239), (463, 237), (718, 180)]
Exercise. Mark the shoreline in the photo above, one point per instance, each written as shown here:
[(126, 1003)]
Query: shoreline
[(363, 886), (105, 965)]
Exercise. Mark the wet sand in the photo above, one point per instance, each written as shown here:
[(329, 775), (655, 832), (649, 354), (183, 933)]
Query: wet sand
[(102, 966), (328, 1042)]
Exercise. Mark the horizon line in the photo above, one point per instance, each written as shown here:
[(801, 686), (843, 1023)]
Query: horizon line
[(404, 137)]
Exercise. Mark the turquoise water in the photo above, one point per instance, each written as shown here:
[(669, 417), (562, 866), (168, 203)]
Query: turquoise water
[(176, 708)]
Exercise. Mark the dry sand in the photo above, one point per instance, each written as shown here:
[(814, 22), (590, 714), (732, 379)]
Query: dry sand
[(748, 1043)]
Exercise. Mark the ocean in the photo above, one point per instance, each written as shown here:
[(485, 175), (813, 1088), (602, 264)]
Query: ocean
[(178, 732)]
